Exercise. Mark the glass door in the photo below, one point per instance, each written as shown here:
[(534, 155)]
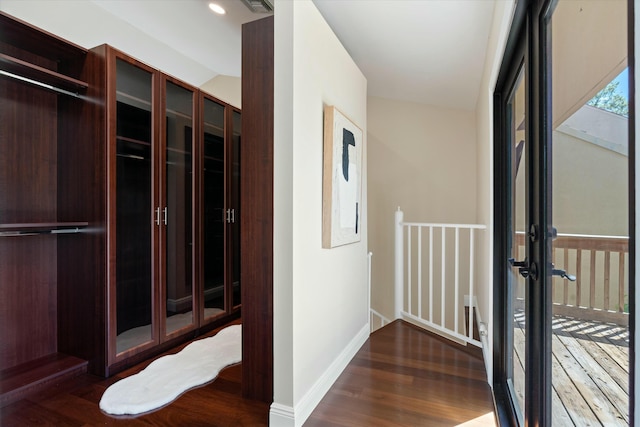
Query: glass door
[(512, 171), (176, 211), (517, 274), (562, 337), (235, 206), (214, 209), (134, 152), (589, 157), (220, 208)]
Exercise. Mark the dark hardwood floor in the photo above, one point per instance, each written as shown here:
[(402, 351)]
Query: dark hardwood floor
[(401, 376), (75, 403)]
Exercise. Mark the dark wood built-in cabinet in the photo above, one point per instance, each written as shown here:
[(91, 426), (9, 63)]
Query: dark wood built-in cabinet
[(40, 89), (131, 151), (119, 210), (220, 188), (257, 201), (158, 210)]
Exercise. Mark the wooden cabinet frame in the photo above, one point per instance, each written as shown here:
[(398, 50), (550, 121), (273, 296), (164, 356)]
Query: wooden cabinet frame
[(76, 121)]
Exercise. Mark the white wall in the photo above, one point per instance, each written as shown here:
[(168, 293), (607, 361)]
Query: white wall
[(423, 159), (320, 295), (502, 16), (88, 25), (225, 88), (437, 165)]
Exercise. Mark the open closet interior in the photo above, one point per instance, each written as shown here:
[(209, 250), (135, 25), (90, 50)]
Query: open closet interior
[(119, 210), (40, 88)]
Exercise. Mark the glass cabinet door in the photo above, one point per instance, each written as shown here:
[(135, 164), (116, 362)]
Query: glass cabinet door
[(235, 203), (133, 204), (177, 210), (215, 215)]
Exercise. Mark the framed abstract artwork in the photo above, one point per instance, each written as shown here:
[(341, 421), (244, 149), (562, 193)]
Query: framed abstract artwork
[(341, 180)]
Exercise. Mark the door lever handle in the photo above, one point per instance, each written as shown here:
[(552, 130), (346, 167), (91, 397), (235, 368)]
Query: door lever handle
[(515, 263), (523, 266), (563, 274)]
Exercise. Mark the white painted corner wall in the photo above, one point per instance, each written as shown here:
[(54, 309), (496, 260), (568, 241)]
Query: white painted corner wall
[(502, 18), (225, 88), (320, 295), (422, 158)]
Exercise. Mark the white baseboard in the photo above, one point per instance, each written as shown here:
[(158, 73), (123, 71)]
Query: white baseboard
[(310, 400), (484, 338), (281, 416), (285, 416)]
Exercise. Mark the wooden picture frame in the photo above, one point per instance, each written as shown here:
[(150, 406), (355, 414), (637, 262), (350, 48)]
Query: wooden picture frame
[(341, 180)]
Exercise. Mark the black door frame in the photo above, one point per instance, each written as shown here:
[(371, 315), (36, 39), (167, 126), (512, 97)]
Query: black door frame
[(529, 41), (513, 60), (631, 63)]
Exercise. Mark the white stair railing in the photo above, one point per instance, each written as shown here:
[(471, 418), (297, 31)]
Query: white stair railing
[(435, 303)]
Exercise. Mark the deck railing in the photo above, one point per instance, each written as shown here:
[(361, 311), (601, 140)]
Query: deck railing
[(599, 265), (434, 276)]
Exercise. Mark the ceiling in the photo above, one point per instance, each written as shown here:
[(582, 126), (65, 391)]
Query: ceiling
[(190, 28), (426, 51)]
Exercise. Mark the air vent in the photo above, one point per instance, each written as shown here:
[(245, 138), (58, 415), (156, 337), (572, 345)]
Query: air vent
[(259, 6)]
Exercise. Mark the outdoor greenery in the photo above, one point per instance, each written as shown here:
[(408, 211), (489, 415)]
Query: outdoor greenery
[(610, 100)]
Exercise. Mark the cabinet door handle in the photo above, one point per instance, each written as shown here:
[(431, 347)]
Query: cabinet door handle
[(165, 215), (158, 216), (233, 216), (228, 215)]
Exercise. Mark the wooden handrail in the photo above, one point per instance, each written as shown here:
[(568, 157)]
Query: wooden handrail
[(597, 243), (596, 288)]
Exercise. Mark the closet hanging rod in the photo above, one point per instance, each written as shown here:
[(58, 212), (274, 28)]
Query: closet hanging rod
[(37, 83), (131, 156), (38, 232)]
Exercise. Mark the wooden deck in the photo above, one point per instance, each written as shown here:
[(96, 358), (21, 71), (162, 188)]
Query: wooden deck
[(590, 371)]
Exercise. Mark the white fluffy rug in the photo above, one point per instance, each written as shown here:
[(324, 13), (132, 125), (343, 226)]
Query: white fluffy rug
[(166, 378)]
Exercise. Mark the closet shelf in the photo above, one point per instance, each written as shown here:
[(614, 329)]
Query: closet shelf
[(178, 150), (133, 140), (21, 380), (18, 68), (27, 229)]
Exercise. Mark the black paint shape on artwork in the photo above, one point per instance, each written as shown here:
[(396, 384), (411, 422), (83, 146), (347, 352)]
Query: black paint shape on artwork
[(347, 140)]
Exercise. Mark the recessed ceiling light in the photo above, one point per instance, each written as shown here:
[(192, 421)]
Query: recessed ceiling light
[(217, 8)]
